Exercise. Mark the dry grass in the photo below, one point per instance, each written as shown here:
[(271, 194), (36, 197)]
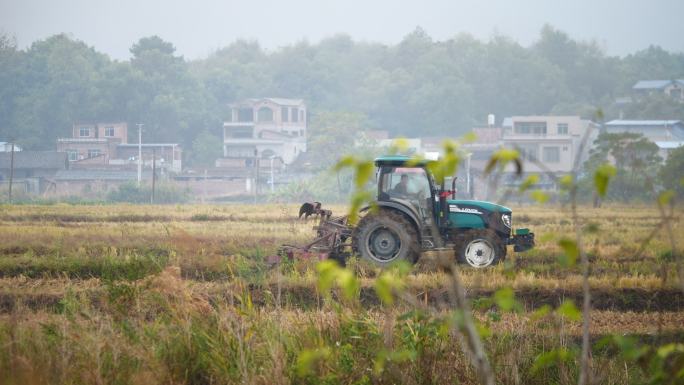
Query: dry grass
[(180, 294)]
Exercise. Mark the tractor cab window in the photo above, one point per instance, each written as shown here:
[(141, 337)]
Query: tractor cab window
[(405, 183)]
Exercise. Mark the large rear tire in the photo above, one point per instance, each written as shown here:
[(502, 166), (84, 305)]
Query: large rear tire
[(386, 237), (480, 248)]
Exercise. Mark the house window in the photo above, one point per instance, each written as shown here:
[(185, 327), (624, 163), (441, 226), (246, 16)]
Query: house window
[(284, 112), (551, 155), (72, 154), (245, 115), (537, 128), (84, 132), (265, 114), (676, 93), (295, 116), (109, 132), (562, 128), (93, 153), (301, 115)]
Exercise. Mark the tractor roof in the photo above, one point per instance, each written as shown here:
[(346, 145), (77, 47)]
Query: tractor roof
[(400, 160)]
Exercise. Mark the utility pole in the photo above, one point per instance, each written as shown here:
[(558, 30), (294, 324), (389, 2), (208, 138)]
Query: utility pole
[(204, 186), (272, 179), (11, 172), (154, 173), (139, 153)]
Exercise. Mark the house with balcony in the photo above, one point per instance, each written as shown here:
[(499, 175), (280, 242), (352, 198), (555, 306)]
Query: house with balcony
[(548, 144), (266, 128)]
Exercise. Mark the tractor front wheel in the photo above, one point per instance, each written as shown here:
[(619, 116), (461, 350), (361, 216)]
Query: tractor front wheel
[(480, 248), (386, 237)]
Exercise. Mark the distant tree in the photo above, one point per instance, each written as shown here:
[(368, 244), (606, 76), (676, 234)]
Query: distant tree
[(636, 160), (206, 148), (333, 135), (672, 173)]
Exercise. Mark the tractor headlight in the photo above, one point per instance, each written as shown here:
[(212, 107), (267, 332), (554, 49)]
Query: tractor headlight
[(506, 219)]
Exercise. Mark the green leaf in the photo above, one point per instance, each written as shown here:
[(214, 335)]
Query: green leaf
[(399, 145), (540, 196), (470, 137), (346, 162), (540, 313), (529, 182), (602, 176), (568, 310), (307, 359), (327, 273), (483, 330), (505, 299), (383, 287), (364, 171), (566, 181), (570, 251), (665, 197), (501, 158), (550, 358), (348, 282)]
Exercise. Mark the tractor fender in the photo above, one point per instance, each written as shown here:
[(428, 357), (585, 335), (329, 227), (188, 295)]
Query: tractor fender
[(405, 210)]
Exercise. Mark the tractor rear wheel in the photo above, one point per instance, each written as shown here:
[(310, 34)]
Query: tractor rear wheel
[(386, 237), (480, 248)]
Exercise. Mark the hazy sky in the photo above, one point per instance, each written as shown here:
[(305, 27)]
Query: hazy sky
[(198, 27)]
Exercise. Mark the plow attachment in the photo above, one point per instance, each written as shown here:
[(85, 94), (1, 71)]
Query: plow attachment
[(333, 241)]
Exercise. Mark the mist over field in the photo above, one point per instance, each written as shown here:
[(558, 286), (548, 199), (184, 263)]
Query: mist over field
[(341, 192)]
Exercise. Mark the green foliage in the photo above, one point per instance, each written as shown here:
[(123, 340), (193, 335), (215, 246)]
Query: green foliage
[(505, 299), (437, 87), (568, 310), (602, 176), (329, 273), (570, 252), (671, 175), (627, 160), (206, 148)]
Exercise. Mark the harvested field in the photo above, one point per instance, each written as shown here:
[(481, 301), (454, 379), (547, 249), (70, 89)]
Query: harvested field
[(182, 294)]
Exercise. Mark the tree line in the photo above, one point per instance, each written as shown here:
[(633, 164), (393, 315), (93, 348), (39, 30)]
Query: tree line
[(417, 87)]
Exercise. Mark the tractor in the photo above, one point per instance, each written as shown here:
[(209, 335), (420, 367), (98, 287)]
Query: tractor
[(412, 214)]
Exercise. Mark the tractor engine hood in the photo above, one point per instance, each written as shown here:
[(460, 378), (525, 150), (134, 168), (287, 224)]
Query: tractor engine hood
[(466, 214), (483, 206)]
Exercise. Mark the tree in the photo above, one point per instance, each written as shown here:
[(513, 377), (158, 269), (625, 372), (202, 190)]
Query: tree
[(672, 173), (205, 149), (635, 158)]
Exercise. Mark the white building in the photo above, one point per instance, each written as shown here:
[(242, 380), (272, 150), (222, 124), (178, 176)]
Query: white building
[(7, 147), (264, 128), (548, 143)]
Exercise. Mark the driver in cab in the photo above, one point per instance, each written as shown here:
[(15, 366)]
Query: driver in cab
[(401, 188)]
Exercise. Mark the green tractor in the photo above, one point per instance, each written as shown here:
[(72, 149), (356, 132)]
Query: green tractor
[(413, 215)]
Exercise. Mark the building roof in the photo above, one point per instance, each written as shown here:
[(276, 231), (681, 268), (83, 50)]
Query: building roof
[(622, 122), (669, 145), (655, 84), (48, 160), (102, 175), (144, 145), (280, 101), (82, 140)]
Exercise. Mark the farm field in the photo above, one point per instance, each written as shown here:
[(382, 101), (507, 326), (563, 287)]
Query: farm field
[(120, 294)]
